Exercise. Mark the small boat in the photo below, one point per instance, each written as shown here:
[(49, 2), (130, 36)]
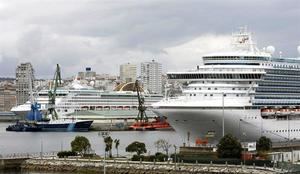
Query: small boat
[(158, 124), (23, 127), (268, 112)]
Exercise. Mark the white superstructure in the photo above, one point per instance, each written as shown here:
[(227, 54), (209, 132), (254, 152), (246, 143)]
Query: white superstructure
[(245, 92), (76, 97)]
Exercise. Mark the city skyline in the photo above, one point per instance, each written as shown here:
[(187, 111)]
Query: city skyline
[(106, 34)]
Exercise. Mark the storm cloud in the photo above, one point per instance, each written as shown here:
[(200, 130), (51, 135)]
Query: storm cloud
[(105, 33)]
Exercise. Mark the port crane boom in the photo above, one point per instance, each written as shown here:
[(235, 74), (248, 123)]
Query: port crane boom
[(142, 116), (52, 92)]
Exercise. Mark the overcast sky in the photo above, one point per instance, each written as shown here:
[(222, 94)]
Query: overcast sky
[(103, 34)]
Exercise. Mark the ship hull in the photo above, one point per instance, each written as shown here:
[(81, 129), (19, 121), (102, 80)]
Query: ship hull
[(246, 125), (75, 126)]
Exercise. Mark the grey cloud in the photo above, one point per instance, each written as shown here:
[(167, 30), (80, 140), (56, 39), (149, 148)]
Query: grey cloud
[(104, 34)]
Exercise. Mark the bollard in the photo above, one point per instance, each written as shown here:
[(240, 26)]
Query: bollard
[(265, 166), (140, 160), (253, 165), (241, 164), (226, 164), (196, 161)]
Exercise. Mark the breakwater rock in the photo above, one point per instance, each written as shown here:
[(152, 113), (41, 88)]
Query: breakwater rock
[(130, 167)]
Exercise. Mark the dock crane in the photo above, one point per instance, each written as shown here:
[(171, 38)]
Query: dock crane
[(52, 92), (142, 116), (142, 122)]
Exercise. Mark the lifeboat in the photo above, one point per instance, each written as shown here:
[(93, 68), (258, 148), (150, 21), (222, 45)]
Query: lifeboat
[(296, 111), (119, 107), (268, 112), (127, 107), (98, 108), (106, 108), (284, 111)]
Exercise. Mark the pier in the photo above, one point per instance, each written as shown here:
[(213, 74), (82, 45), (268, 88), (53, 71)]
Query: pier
[(137, 167)]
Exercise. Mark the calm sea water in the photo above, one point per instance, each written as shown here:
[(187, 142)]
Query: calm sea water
[(35, 142)]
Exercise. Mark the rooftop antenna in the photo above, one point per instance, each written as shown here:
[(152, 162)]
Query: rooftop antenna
[(280, 54), (242, 40)]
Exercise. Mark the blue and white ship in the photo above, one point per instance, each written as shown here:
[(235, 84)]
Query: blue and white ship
[(246, 92)]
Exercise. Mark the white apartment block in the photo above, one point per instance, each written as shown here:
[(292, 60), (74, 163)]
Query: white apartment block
[(151, 76), (24, 76), (128, 72)]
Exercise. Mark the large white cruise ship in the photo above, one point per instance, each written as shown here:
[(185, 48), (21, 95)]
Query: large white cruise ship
[(72, 99), (245, 92)]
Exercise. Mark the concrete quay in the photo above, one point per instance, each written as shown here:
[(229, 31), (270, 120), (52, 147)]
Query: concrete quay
[(131, 167)]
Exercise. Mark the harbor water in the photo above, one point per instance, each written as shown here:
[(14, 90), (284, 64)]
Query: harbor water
[(36, 142)]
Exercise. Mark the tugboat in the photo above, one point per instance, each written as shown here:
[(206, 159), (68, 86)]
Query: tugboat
[(142, 122), (36, 122)]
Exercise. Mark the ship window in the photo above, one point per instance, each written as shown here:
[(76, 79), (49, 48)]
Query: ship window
[(211, 94), (194, 94), (224, 95), (195, 88), (237, 95), (205, 94), (233, 88), (216, 88), (190, 94), (208, 88)]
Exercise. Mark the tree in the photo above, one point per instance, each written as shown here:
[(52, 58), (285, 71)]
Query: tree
[(117, 143), (229, 147), (263, 144), (80, 145), (108, 145), (137, 147), (164, 145)]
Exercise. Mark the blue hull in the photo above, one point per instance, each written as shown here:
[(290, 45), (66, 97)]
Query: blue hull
[(79, 126)]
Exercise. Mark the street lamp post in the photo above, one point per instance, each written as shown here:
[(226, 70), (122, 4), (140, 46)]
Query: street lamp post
[(244, 134), (175, 147), (223, 124), (104, 134), (42, 149)]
